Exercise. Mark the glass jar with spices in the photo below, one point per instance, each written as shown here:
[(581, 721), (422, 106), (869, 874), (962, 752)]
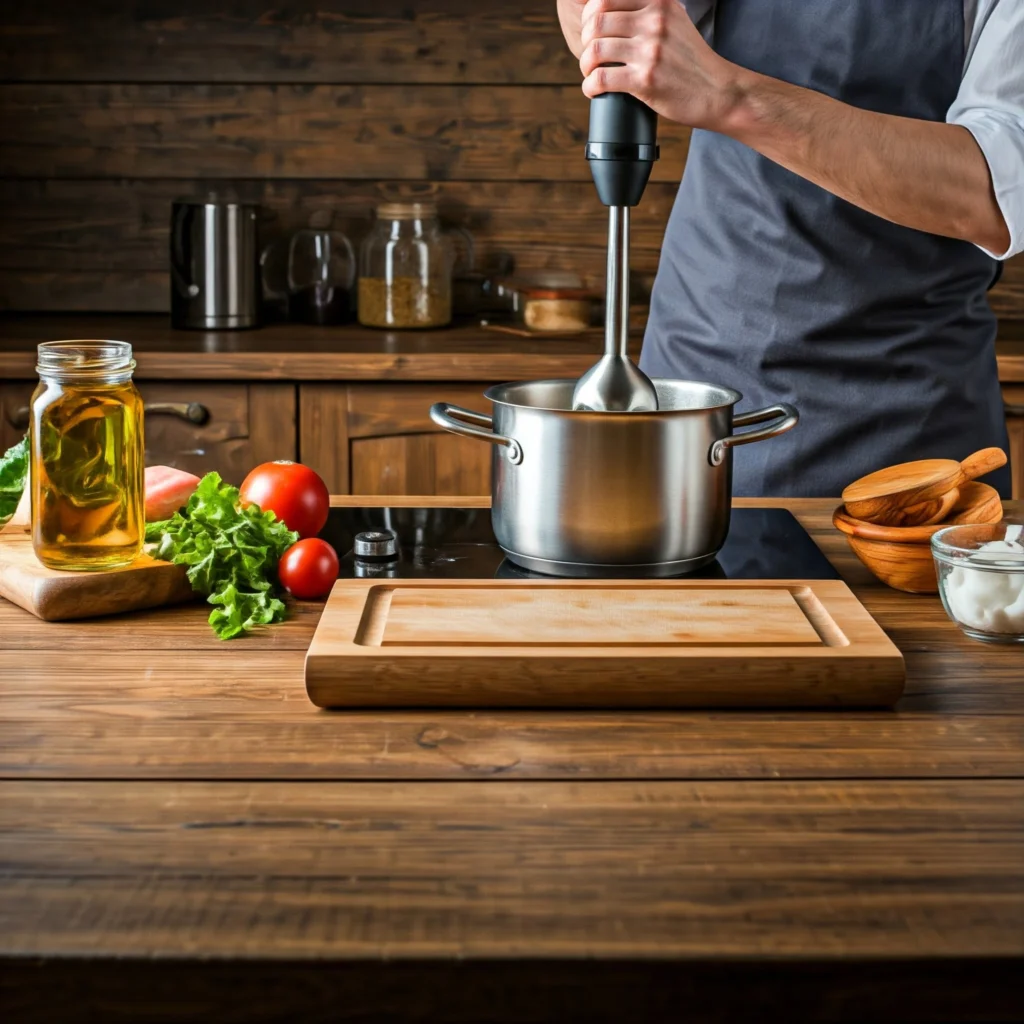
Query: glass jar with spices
[(86, 468), (405, 269)]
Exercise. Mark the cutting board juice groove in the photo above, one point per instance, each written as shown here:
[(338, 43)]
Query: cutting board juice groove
[(411, 616), (597, 643)]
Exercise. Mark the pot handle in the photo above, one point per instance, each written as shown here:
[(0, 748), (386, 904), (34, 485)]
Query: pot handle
[(785, 418), (458, 420)]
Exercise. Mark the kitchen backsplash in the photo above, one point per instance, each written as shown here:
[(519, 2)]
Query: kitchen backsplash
[(110, 111)]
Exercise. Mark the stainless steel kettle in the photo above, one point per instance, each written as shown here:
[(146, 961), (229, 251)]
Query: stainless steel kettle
[(215, 275)]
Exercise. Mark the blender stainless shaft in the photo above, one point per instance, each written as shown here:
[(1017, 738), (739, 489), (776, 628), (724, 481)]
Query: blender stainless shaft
[(621, 150), (616, 328), (613, 383)]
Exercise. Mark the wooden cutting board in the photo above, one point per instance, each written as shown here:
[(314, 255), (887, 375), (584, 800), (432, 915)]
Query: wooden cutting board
[(54, 595), (596, 643)]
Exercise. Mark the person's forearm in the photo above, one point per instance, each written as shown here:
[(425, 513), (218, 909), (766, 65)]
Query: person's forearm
[(923, 174)]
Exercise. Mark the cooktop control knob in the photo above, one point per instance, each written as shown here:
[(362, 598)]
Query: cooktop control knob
[(375, 546)]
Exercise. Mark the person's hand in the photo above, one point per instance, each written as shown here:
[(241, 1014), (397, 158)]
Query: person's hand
[(570, 15), (664, 60)]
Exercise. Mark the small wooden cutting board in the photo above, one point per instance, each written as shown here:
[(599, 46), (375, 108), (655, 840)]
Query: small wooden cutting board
[(598, 643), (54, 595)]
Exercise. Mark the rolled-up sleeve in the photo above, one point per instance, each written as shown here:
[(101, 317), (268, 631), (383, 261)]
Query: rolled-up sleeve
[(990, 105)]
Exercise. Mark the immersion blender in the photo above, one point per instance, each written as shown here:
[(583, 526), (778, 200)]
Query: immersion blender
[(621, 148)]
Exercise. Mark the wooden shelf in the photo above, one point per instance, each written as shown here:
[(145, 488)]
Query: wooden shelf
[(299, 352)]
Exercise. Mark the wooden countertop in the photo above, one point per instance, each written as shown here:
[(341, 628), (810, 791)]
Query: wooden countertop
[(178, 823), (298, 352)]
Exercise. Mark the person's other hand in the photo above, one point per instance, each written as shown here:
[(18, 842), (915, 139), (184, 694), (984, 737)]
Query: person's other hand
[(663, 59)]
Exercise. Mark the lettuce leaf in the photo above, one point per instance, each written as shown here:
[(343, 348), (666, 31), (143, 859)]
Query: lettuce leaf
[(13, 477), (231, 554)]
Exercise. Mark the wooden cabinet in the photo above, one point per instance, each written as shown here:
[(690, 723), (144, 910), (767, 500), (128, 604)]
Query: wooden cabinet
[(201, 427), (1013, 396), (379, 439), (361, 438), (14, 399), (194, 426)]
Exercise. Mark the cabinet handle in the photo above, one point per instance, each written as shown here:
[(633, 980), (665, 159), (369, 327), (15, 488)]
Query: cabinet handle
[(19, 418), (1013, 408), (193, 412)]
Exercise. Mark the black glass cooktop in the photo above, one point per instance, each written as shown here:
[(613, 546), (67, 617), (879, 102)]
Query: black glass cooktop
[(458, 543)]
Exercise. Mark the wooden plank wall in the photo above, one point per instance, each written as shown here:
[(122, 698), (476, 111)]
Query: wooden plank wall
[(110, 109)]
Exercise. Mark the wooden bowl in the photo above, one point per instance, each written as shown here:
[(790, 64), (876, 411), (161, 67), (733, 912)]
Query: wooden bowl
[(917, 493), (902, 565), (901, 556)]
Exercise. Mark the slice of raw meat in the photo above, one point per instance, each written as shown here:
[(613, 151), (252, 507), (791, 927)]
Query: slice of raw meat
[(167, 489)]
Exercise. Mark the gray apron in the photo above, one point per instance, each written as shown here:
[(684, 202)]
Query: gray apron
[(880, 335)]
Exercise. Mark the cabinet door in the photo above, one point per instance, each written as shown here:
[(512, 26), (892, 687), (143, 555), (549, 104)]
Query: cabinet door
[(1013, 396), (193, 426), (395, 448), (378, 439), (420, 464), (230, 428)]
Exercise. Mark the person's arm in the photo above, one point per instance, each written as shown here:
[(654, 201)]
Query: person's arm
[(922, 174)]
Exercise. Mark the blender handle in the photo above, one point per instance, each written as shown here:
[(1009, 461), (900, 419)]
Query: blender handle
[(457, 420)]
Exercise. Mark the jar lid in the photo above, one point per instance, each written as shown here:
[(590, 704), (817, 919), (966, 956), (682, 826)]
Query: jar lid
[(407, 211), (85, 357)]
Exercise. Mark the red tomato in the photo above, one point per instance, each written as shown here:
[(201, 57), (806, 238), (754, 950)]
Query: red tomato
[(308, 569), (293, 492)]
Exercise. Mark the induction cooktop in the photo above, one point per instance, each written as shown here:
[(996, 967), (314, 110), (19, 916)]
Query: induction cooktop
[(458, 543)]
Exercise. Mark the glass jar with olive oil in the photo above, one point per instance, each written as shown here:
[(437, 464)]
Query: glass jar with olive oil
[(86, 471)]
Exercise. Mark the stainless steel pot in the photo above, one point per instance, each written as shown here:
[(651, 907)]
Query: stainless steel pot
[(605, 494)]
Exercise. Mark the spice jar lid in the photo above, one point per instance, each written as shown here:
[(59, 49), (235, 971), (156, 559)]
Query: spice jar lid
[(407, 211)]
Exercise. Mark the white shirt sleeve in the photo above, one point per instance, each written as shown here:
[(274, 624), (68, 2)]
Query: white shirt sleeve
[(990, 105)]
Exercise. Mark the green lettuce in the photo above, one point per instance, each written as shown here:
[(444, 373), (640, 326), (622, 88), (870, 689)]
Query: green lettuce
[(231, 554), (13, 477)]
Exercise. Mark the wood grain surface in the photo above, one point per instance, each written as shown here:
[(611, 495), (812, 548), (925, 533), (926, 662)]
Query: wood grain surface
[(297, 352), (110, 112), (101, 244), (54, 595), (800, 869), (156, 696), (601, 644), (114, 232), (431, 132), (164, 794), (302, 41)]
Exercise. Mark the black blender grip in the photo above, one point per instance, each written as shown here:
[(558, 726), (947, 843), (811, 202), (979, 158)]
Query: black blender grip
[(622, 146)]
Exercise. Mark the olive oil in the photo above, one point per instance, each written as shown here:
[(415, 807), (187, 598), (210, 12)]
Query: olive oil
[(86, 468)]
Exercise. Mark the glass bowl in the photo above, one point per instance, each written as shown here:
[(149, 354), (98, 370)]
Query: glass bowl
[(981, 579)]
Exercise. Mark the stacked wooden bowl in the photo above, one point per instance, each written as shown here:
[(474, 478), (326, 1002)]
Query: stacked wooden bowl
[(889, 517)]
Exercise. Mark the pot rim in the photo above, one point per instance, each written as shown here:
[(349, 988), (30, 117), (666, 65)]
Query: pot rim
[(491, 394)]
